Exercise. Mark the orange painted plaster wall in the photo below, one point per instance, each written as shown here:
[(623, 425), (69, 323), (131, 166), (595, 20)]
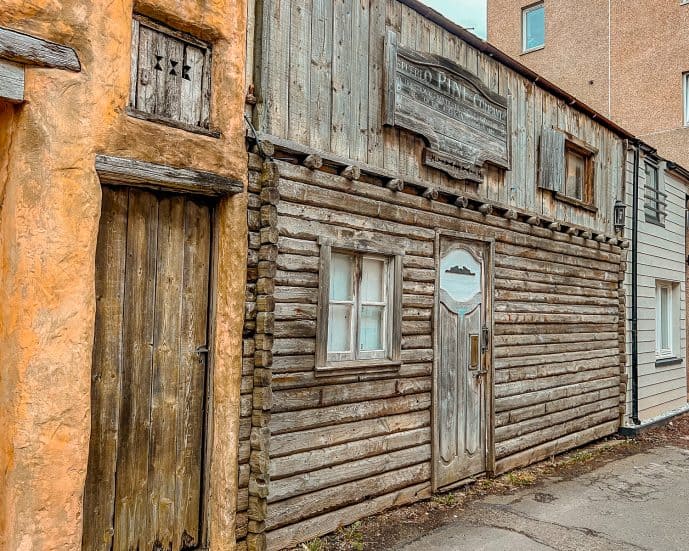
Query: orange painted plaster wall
[(50, 200)]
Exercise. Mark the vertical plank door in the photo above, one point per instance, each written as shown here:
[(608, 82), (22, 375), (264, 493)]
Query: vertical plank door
[(459, 439), (144, 480)]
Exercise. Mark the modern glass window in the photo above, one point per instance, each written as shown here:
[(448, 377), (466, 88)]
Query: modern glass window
[(533, 27), (654, 197), (664, 320)]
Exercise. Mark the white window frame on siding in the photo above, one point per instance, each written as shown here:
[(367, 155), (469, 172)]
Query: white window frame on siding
[(667, 309), (525, 14), (388, 356)]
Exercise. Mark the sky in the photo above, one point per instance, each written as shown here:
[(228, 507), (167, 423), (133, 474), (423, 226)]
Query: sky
[(467, 13)]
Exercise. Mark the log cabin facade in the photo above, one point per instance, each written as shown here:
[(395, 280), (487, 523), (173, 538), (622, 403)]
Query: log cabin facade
[(435, 282)]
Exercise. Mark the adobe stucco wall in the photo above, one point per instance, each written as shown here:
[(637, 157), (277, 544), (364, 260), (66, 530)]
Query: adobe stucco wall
[(50, 207)]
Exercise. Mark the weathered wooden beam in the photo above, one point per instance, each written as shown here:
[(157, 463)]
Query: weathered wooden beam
[(11, 82), (601, 238), (313, 162), (462, 202), (29, 50), (395, 184), (264, 148), (130, 172), (485, 209), (511, 214), (572, 231), (431, 193), (533, 221), (586, 234), (351, 172), (554, 226)]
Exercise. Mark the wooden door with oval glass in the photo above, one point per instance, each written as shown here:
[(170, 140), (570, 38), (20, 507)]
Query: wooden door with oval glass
[(460, 383)]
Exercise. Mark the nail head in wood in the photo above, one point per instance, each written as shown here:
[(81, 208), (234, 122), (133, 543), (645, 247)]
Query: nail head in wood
[(313, 162), (395, 184), (431, 194), (351, 172)]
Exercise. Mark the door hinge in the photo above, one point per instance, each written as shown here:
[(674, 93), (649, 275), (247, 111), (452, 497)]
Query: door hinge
[(485, 335)]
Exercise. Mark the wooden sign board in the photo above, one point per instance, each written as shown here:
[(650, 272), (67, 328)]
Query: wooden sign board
[(465, 124)]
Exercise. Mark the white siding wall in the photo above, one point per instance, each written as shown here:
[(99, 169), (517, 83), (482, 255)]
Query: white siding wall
[(661, 257)]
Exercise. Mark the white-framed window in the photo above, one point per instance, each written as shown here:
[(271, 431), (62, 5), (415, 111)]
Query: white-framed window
[(533, 27), (654, 196), (359, 310), (667, 319), (685, 95)]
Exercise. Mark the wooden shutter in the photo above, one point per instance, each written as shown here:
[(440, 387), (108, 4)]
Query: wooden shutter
[(552, 159)]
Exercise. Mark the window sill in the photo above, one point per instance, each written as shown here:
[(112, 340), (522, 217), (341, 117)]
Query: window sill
[(535, 49), (575, 202), (172, 122), (654, 221), (666, 362), (358, 367)]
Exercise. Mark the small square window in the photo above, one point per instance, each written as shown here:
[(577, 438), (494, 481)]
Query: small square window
[(654, 196), (170, 75), (359, 315), (578, 182), (667, 320), (533, 27)]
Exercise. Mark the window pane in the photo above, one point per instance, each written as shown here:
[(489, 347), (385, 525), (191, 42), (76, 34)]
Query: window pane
[(664, 318), (651, 176), (373, 280), (341, 269), (576, 171), (534, 33), (371, 331), (340, 328)]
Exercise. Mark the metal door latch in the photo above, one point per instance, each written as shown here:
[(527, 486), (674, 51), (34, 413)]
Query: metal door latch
[(484, 338)]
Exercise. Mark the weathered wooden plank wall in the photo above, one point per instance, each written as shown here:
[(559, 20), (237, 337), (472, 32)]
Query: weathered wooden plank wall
[(321, 84), (345, 446)]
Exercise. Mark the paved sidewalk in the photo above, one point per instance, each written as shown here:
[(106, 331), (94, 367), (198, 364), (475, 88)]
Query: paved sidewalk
[(640, 502)]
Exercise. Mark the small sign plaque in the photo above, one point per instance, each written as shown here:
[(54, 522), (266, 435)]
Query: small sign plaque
[(465, 124)]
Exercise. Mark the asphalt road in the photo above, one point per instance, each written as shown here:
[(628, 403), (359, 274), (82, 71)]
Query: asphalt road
[(640, 502)]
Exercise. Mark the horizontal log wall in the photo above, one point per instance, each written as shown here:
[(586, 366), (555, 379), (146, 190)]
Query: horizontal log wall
[(346, 446), (319, 78)]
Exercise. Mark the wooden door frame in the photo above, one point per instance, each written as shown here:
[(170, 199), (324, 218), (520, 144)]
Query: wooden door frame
[(211, 188), (488, 244)]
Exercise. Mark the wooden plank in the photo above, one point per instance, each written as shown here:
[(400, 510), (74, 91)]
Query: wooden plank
[(376, 38), (132, 528), (309, 505), (11, 82), (319, 458), (162, 461), (316, 480), (358, 148), (30, 50), (99, 492), (312, 418), (324, 437), (296, 533), (321, 73), (342, 83), (299, 115), (193, 368), (130, 172)]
